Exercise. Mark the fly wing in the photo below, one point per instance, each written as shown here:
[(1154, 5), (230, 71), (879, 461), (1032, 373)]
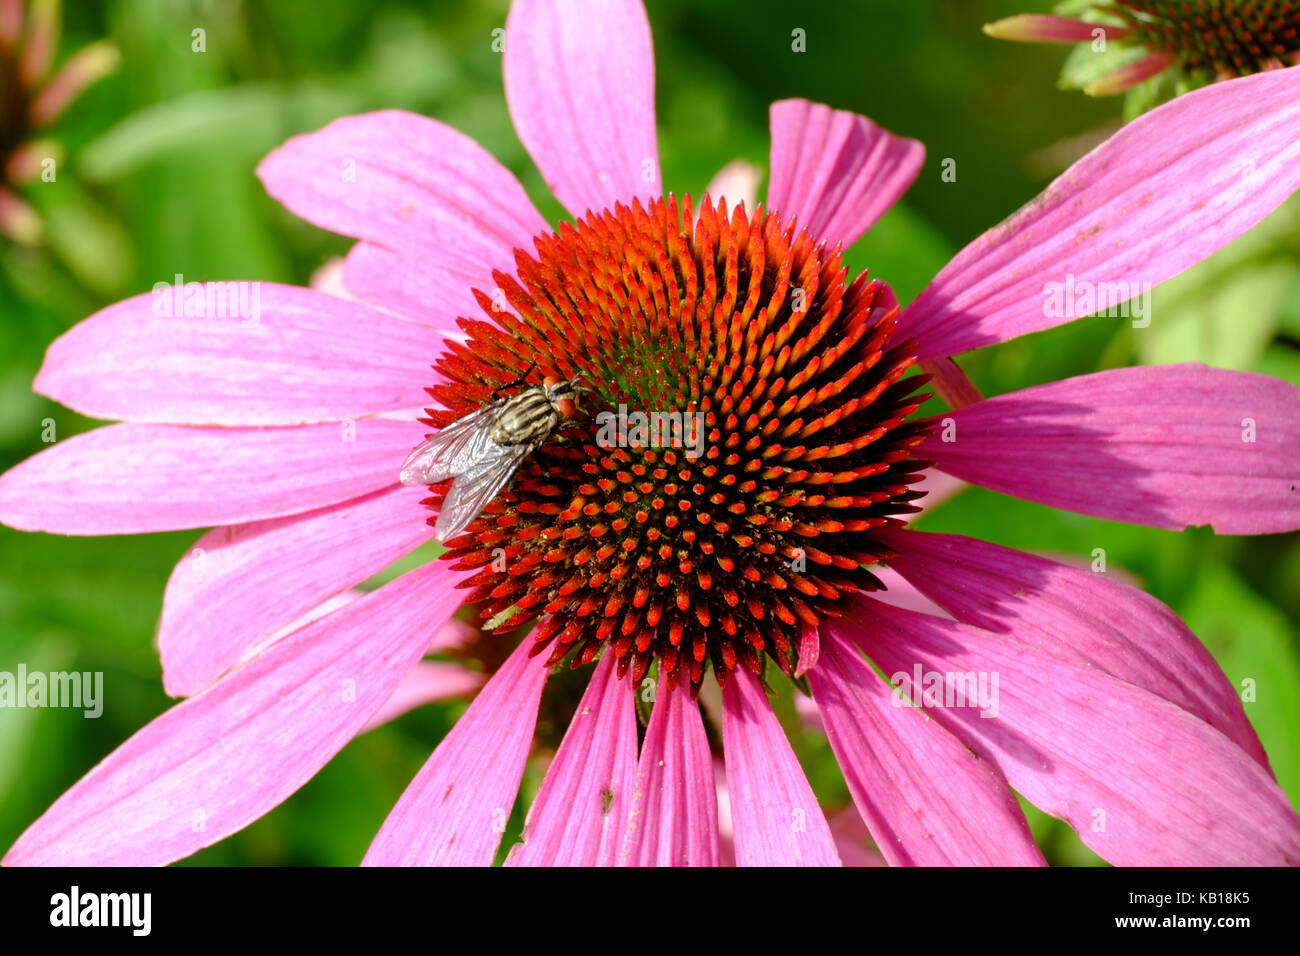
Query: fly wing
[(473, 490), (450, 452)]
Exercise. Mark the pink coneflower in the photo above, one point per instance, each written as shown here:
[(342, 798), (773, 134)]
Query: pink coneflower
[(32, 99), (642, 563), (1196, 41)]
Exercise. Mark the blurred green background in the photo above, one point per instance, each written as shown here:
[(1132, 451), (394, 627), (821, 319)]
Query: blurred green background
[(159, 180)]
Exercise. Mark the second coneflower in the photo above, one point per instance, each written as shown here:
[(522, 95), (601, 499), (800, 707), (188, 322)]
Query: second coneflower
[(1197, 41), (31, 99)]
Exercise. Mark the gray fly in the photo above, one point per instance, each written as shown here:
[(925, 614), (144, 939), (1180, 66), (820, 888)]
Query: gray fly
[(481, 451)]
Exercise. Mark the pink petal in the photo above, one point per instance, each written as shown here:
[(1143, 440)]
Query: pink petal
[(1130, 75), (11, 22), (455, 633), (39, 46), (455, 810), (580, 82), (776, 818), (900, 592), (938, 488), (1142, 781), (950, 383), (18, 220), (1159, 196), (328, 606), (1040, 28), (1077, 615), (927, 800), (412, 185), (674, 814), (435, 297), (451, 634), (838, 172), (328, 278), (427, 681), (240, 583), (726, 836), (853, 840), (84, 68), (295, 356), (808, 713), (324, 609), (1168, 446), (736, 182), (211, 765), (130, 479), (578, 816)]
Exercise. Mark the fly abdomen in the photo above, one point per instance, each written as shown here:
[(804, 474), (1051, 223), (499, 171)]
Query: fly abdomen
[(524, 419)]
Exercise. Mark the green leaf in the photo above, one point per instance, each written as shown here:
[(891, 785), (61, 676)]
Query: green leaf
[(1281, 362), (87, 238), (1084, 64), (245, 120), (1253, 643), (1225, 310), (1228, 325)]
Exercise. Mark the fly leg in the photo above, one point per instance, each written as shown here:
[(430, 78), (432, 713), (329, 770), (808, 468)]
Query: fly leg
[(496, 392)]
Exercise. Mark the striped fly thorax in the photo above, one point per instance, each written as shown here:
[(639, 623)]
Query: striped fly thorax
[(482, 450), (525, 418)]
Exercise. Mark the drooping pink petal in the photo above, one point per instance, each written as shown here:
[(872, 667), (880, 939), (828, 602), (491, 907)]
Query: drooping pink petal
[(240, 583), (211, 765), (1078, 615), (578, 816), (426, 682), (260, 354), (1167, 446), (674, 815), (1141, 780), (926, 798), (454, 812), (580, 82), (415, 186), (1160, 195), (775, 817), (809, 650), (131, 479), (838, 172), (950, 383)]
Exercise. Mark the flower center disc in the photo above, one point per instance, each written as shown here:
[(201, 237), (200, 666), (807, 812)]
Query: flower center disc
[(717, 546), (1220, 35)]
